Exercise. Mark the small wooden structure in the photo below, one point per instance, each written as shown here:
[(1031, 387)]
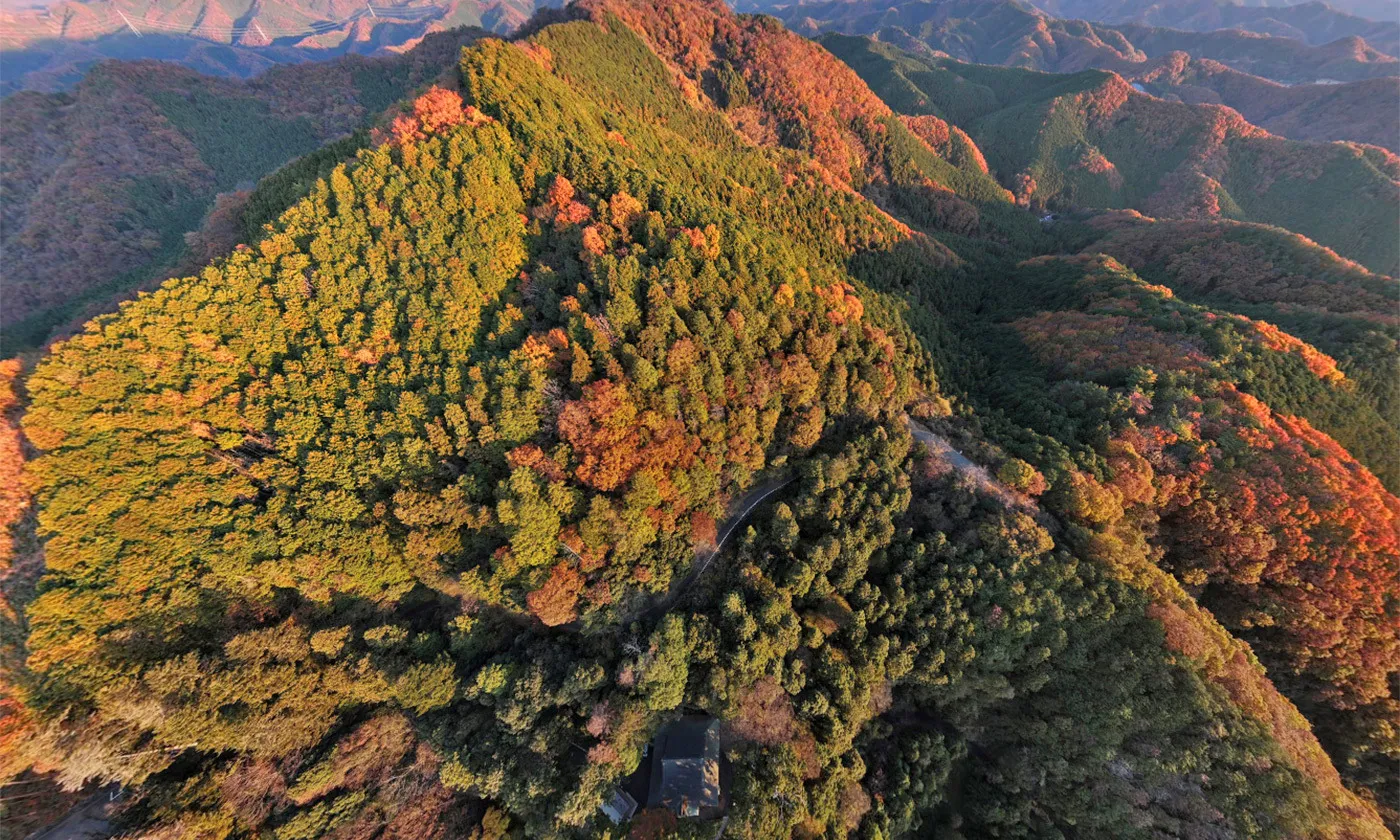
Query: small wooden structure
[(619, 806)]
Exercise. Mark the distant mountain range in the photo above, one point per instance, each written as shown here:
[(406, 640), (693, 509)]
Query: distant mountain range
[(1015, 34), (1280, 83), (1313, 22), (50, 48), (1280, 58), (1373, 9), (1088, 140), (1362, 111)]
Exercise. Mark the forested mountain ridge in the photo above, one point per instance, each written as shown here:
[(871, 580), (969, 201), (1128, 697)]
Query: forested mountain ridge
[(103, 186), (1081, 140), (1288, 282), (342, 531), (1087, 320)]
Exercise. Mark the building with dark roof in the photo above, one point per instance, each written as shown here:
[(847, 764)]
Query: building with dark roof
[(685, 769)]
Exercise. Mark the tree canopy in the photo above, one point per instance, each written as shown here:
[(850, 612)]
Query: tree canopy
[(405, 517)]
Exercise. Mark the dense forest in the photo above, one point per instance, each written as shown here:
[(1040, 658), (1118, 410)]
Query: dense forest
[(654, 364), (1285, 281), (1246, 505), (107, 187)]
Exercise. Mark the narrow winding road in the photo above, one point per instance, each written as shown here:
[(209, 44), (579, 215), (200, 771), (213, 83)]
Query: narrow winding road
[(741, 507), (975, 473), (89, 819), (746, 504)]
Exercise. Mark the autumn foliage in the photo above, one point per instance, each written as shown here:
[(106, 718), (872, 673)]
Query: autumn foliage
[(1302, 539), (1273, 525), (554, 602), (1257, 505), (612, 442), (14, 499), (402, 520), (434, 111), (793, 85)]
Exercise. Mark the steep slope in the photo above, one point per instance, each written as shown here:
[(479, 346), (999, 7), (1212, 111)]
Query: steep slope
[(1090, 140), (1200, 465), (1287, 281), (49, 47), (780, 90), (356, 534), (102, 185)]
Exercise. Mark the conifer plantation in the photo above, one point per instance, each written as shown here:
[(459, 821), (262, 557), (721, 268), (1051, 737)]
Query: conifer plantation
[(659, 364)]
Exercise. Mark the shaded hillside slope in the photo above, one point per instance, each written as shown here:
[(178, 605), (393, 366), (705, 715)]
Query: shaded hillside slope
[(1090, 140), (102, 185), (1175, 384)]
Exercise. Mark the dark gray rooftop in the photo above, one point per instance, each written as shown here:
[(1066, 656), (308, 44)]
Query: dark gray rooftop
[(685, 770), (691, 737)]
